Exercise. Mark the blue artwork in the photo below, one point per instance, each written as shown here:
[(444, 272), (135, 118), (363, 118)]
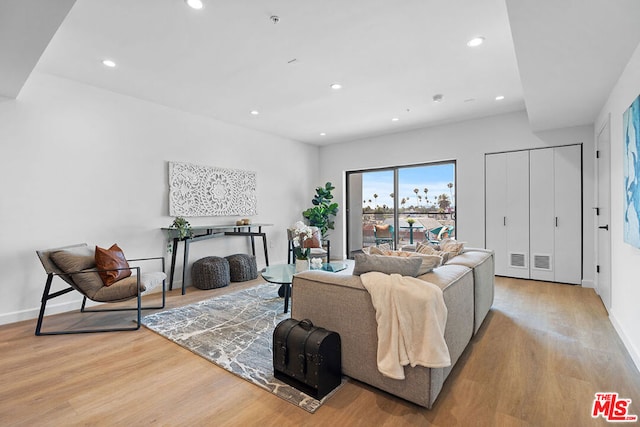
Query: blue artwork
[(631, 167)]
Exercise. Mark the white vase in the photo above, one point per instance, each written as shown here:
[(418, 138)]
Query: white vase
[(302, 265)]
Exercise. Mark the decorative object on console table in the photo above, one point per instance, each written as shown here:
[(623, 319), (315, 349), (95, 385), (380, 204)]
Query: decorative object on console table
[(180, 226)]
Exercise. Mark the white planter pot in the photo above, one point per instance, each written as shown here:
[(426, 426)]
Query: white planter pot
[(302, 265)]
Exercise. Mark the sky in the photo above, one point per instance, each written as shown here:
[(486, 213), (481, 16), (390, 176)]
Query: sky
[(433, 177)]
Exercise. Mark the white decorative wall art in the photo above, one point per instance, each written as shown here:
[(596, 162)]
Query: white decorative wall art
[(210, 191)]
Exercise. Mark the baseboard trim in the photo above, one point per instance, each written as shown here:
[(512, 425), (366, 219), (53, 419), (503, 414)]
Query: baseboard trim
[(32, 313), (633, 352), (588, 284)]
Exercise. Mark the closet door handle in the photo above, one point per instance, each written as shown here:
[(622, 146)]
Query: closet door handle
[(504, 221), (605, 227), (556, 221)]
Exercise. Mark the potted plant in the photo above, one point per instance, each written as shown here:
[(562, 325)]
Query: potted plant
[(320, 215), (300, 232), (181, 227)]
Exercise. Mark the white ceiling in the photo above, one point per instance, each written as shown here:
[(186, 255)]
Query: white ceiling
[(390, 56)]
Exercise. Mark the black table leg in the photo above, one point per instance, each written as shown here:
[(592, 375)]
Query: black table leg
[(173, 262), (264, 245), (287, 294), (184, 265)]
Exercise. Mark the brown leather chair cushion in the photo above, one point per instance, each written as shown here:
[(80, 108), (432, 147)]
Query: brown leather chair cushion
[(111, 258)]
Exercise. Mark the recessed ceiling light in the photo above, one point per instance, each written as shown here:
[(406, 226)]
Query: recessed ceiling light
[(476, 41), (323, 134), (336, 86), (395, 119), (108, 63), (438, 97), (255, 112), (195, 4), (499, 97)]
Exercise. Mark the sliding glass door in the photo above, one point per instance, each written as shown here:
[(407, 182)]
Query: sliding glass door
[(400, 205)]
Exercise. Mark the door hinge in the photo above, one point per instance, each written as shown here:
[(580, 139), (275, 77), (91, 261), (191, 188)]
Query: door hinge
[(597, 154), (597, 269)]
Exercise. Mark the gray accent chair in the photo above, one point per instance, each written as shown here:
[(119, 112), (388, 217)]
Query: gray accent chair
[(75, 265)]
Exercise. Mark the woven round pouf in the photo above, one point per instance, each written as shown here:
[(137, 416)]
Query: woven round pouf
[(242, 267), (210, 272)]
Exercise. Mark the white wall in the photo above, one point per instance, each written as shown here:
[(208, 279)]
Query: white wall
[(80, 164), (625, 259), (466, 142)]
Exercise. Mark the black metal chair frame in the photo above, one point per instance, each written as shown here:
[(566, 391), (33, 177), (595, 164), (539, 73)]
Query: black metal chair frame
[(46, 296)]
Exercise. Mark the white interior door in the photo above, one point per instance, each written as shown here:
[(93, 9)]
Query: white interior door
[(495, 209), (542, 222), (568, 214), (603, 212), (518, 214)]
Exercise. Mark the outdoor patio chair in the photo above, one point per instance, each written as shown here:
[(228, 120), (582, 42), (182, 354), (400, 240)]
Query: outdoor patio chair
[(76, 265), (320, 248), (383, 233)]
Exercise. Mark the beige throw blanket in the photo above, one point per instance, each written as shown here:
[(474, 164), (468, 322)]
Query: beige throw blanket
[(411, 317)]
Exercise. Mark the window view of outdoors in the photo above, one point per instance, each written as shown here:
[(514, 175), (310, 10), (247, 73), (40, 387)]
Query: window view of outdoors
[(425, 205)]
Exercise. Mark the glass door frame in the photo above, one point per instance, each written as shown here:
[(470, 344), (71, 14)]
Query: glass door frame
[(396, 183)]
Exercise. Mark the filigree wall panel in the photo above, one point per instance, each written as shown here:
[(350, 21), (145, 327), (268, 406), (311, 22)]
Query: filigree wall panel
[(209, 191)]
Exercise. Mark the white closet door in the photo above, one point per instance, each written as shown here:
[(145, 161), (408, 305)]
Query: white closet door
[(517, 218), (568, 204), (495, 209), (542, 221)]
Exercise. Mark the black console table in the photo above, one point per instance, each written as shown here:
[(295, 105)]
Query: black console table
[(205, 232)]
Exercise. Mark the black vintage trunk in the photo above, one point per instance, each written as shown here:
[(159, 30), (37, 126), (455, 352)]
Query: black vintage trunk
[(307, 357)]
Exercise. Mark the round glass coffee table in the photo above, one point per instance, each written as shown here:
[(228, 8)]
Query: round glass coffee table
[(283, 274)]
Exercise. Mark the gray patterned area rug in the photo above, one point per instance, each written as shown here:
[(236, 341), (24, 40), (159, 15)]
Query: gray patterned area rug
[(234, 331)]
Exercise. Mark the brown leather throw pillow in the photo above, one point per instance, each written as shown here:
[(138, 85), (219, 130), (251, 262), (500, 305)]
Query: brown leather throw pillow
[(111, 258), (314, 241)]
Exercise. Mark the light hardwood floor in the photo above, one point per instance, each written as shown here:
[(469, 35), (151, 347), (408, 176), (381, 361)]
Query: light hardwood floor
[(543, 352)]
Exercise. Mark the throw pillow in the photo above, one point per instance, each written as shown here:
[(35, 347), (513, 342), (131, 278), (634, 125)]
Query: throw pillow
[(74, 259), (405, 266), (396, 253), (315, 240), (429, 262), (426, 249), (374, 250), (384, 247), (108, 259), (450, 245)]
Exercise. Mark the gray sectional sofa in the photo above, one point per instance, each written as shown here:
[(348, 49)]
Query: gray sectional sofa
[(339, 302)]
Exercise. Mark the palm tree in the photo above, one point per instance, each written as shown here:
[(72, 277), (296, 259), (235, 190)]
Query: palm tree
[(450, 185), (426, 190), (443, 202), (375, 197), (415, 190)]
